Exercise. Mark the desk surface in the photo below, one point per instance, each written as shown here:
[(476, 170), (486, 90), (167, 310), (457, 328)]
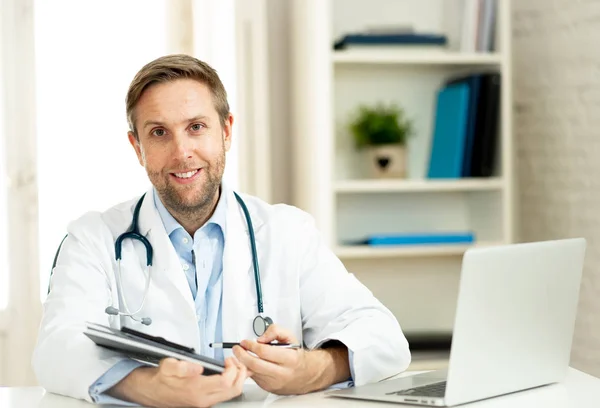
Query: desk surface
[(578, 390)]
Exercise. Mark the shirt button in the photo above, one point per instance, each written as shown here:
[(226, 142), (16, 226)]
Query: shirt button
[(185, 240), (186, 267)]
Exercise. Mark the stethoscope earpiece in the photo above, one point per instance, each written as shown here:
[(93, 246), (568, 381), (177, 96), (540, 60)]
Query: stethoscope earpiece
[(111, 311), (115, 312)]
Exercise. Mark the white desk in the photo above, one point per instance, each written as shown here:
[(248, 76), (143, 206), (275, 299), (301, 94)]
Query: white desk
[(578, 391)]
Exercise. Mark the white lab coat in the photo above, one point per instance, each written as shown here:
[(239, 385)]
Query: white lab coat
[(306, 289)]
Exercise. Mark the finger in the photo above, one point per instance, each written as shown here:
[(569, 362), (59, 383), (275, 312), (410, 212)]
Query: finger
[(275, 332), (219, 382), (242, 374), (241, 366), (230, 374), (238, 385), (255, 364), (171, 367), (232, 392), (273, 354)]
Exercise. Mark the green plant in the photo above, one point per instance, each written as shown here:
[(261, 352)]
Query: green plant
[(379, 125)]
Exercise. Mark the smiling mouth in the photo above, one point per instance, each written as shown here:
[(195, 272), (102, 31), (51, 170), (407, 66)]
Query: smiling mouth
[(186, 175)]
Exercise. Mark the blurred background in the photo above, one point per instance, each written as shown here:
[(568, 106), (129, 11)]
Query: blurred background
[(411, 130)]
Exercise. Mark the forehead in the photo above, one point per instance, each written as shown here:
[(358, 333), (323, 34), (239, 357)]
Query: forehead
[(174, 99)]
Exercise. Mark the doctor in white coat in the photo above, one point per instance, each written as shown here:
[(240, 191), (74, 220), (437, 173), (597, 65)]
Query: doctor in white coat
[(180, 129)]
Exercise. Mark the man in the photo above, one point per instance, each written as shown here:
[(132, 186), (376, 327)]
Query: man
[(202, 287)]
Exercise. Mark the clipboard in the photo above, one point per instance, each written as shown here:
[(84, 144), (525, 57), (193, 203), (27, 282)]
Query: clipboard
[(148, 349)]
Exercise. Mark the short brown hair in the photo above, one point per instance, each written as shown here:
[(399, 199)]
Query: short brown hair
[(170, 68)]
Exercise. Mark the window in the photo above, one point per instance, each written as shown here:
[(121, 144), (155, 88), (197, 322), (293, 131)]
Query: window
[(86, 55)]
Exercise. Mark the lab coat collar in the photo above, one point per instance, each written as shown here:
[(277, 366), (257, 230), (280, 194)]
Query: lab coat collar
[(238, 274), (171, 224), (150, 217)]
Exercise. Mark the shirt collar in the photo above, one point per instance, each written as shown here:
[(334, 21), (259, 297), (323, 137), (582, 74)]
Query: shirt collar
[(218, 217)]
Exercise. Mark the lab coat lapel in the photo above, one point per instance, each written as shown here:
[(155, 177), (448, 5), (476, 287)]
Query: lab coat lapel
[(165, 260), (237, 262)]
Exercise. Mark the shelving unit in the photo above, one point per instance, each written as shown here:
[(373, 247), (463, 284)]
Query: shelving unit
[(408, 186), (418, 283), (348, 252), (408, 57)]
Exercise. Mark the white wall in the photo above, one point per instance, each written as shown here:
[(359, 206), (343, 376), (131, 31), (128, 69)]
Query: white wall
[(557, 105)]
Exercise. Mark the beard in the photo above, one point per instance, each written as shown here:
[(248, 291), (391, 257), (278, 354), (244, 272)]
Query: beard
[(203, 196)]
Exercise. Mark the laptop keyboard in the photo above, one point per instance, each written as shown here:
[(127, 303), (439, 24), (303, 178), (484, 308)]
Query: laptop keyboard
[(431, 390)]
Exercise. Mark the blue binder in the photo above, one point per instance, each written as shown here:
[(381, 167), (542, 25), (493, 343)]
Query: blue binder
[(450, 131), (439, 238)]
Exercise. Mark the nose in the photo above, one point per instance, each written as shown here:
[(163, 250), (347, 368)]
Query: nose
[(182, 146)]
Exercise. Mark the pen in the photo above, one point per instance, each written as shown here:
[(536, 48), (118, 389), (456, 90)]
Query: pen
[(230, 345)]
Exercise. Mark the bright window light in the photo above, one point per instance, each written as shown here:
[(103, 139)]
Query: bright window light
[(87, 52)]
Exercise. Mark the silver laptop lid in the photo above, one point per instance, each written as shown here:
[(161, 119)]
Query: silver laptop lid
[(515, 318)]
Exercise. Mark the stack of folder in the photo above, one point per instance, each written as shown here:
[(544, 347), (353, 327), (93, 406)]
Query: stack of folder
[(425, 238), (466, 127), (390, 39)]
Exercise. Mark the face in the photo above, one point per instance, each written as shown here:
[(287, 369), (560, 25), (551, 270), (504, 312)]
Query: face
[(181, 143)]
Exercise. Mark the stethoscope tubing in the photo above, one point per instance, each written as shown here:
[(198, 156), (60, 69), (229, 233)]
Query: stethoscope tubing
[(133, 233)]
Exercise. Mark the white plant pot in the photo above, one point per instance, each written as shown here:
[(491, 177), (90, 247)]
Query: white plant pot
[(387, 160)]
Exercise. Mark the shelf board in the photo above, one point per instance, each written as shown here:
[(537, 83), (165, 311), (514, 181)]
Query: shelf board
[(401, 186), (372, 252), (433, 57)]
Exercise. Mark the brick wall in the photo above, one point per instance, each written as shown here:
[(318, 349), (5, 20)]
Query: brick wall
[(557, 131)]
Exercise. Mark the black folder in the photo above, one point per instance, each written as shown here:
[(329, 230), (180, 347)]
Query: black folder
[(148, 349)]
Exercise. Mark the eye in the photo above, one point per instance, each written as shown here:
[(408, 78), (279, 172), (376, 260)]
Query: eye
[(158, 132), (196, 127)]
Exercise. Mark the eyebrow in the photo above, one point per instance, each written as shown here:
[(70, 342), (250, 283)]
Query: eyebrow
[(159, 123)]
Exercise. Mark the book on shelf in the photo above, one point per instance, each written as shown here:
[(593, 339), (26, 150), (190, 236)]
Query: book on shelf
[(450, 131), (479, 24), (429, 238), (465, 127), (370, 39)]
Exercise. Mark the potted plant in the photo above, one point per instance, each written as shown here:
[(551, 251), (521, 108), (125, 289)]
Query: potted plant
[(383, 132)]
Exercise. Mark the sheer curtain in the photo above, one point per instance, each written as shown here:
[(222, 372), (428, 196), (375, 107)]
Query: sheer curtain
[(68, 98), (231, 35), (213, 41), (86, 55)]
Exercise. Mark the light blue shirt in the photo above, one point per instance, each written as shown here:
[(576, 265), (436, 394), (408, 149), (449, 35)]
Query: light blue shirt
[(202, 262)]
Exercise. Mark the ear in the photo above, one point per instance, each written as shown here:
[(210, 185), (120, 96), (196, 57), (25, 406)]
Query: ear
[(136, 146), (227, 132)]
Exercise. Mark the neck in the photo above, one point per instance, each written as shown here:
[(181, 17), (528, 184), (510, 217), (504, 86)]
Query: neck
[(193, 221)]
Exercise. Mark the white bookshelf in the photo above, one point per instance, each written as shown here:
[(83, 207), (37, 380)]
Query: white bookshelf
[(409, 57), (348, 252), (408, 186), (331, 176)]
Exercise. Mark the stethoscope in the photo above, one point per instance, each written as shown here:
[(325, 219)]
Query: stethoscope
[(260, 322)]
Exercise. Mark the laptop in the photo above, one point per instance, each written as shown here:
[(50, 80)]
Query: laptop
[(513, 327)]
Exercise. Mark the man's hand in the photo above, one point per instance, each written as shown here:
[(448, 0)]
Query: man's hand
[(289, 371), (180, 384)]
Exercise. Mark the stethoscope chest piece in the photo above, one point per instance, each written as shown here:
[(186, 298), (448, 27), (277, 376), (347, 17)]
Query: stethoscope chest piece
[(261, 324)]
